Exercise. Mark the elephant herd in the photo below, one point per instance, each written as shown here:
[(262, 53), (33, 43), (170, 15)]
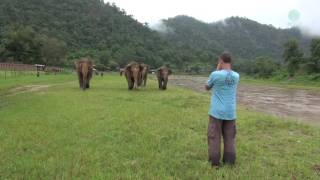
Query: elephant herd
[(136, 74)]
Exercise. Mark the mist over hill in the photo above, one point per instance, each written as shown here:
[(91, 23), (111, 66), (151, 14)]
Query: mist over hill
[(243, 37), (59, 31)]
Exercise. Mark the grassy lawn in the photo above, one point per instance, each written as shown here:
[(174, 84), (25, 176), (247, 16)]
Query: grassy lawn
[(30, 78), (298, 82), (109, 132)]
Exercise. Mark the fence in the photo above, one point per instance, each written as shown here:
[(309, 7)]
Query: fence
[(13, 69)]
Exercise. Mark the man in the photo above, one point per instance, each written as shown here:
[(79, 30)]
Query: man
[(222, 113)]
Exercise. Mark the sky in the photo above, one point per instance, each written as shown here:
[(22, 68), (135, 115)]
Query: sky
[(276, 12)]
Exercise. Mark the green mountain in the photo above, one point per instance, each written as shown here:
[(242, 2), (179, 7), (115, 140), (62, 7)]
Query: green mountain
[(87, 27), (56, 32), (243, 37)]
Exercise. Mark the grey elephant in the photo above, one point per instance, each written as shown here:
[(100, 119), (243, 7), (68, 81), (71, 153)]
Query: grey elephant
[(132, 72), (84, 68), (163, 75)]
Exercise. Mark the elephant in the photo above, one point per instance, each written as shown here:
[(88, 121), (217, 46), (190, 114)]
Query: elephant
[(144, 74), (132, 71), (84, 68), (162, 74)]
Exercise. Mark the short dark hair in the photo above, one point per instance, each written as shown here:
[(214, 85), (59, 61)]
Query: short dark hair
[(226, 57)]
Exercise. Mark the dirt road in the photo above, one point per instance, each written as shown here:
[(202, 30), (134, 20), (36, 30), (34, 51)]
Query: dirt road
[(302, 105)]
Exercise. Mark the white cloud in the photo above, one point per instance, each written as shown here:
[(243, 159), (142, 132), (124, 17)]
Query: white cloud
[(310, 17), (161, 27), (273, 12)]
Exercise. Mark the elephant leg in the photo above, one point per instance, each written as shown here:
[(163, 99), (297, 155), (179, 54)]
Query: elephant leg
[(130, 83), (165, 81), (140, 81), (130, 86), (80, 79), (88, 79), (88, 84), (160, 83)]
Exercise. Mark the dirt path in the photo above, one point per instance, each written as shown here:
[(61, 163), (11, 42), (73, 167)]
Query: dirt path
[(31, 88), (299, 104), (25, 89)]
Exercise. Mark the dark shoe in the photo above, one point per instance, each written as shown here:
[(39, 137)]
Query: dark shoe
[(229, 158)]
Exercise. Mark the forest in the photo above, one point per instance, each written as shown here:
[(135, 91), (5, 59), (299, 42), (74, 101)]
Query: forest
[(56, 32)]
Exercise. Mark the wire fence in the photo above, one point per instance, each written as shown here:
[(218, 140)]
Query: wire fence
[(12, 70)]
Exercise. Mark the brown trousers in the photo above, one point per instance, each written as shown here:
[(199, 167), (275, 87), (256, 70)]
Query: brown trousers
[(227, 129)]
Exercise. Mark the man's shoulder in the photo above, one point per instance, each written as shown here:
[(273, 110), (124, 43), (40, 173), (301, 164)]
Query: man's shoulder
[(217, 72), (236, 74), (215, 75), (222, 73)]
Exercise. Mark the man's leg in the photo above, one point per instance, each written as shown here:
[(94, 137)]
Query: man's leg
[(229, 139), (214, 140)]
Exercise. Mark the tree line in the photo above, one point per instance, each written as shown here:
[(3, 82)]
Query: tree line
[(56, 32), (295, 62)]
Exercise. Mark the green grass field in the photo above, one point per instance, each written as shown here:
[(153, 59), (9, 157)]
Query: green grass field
[(311, 82), (108, 132)]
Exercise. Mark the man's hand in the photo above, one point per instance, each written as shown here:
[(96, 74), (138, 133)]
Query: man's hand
[(219, 66), (207, 87)]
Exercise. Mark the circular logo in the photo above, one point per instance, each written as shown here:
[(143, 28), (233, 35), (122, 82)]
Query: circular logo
[(294, 15)]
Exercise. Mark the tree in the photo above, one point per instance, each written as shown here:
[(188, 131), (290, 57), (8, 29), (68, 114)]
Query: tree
[(53, 51), (292, 56), (88, 27), (21, 45), (264, 67), (104, 57), (313, 63)]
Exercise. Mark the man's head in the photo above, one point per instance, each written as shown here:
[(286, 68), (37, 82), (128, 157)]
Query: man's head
[(224, 61), (225, 58)]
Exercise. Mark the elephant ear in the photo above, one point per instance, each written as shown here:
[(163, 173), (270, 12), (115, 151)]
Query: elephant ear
[(76, 65), (170, 72), (121, 71), (141, 67), (128, 68), (159, 71)]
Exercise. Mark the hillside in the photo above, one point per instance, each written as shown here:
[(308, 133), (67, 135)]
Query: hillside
[(56, 32), (245, 38), (88, 27)]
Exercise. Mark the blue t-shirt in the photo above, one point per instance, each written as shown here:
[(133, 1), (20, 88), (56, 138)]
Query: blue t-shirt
[(224, 94)]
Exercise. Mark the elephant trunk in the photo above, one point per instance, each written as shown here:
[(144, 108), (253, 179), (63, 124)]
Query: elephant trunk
[(84, 81), (136, 78)]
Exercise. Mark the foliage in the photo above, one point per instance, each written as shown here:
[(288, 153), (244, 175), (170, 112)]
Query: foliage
[(244, 38), (107, 34), (21, 45), (264, 67), (292, 56), (26, 46), (312, 63), (261, 67), (53, 51)]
